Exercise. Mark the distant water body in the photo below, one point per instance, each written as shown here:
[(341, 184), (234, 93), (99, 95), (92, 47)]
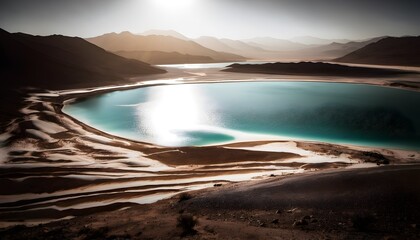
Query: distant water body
[(212, 113), (207, 65)]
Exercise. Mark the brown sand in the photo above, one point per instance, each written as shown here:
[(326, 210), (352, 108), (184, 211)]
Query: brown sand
[(77, 175), (374, 203)]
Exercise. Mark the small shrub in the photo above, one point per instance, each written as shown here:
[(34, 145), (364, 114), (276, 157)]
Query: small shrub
[(186, 223), (362, 222), (184, 197)]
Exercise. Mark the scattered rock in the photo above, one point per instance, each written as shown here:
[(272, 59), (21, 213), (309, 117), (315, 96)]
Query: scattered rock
[(301, 222), (275, 221), (209, 229), (260, 223), (375, 158), (279, 211)]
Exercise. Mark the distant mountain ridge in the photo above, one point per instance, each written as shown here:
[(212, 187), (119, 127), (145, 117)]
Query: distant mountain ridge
[(59, 62), (275, 44), (230, 46), (310, 40), (334, 50), (127, 41), (158, 57), (304, 48), (404, 51), (170, 33)]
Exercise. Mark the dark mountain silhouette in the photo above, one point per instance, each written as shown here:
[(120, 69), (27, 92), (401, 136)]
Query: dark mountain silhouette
[(325, 52), (337, 49), (404, 51), (56, 62), (313, 69), (127, 41)]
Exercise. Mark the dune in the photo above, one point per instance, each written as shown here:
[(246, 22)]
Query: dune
[(402, 51), (372, 203)]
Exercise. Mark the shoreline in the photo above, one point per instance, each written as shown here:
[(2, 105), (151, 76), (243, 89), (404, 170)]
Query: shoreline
[(96, 166), (80, 95)]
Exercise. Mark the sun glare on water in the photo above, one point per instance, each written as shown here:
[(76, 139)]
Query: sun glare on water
[(171, 111)]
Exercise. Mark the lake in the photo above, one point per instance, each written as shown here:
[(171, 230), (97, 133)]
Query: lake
[(214, 113)]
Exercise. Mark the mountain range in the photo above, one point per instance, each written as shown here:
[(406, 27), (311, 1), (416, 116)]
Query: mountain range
[(171, 47), (59, 62), (152, 44), (56, 62), (403, 51)]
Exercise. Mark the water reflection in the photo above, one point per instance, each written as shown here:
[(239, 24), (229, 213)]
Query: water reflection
[(201, 114), (172, 111)]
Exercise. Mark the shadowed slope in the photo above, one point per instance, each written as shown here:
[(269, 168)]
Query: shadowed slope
[(404, 51), (312, 69), (57, 62)]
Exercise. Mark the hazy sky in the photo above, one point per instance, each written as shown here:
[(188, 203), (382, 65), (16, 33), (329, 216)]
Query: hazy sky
[(356, 19)]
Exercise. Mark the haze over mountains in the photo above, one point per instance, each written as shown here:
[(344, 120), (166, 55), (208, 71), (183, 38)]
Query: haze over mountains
[(171, 47), (137, 44), (39, 60), (309, 40), (170, 33)]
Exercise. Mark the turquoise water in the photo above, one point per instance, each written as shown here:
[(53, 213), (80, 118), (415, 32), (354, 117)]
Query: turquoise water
[(201, 114)]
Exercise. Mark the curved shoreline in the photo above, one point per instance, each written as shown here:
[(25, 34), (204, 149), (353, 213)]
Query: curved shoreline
[(247, 136), (93, 169)]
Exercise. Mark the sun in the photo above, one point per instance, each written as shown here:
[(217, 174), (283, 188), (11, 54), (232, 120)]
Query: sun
[(173, 4)]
